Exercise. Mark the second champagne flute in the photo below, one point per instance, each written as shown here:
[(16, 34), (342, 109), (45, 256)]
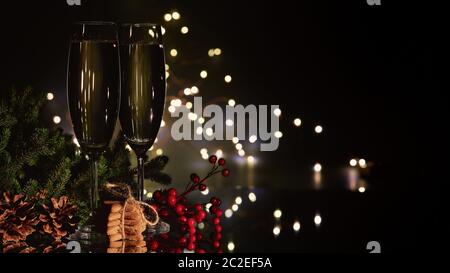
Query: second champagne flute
[(143, 89)]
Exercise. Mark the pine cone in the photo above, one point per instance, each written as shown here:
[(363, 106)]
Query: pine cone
[(58, 218), (55, 246), (17, 219), (19, 247)]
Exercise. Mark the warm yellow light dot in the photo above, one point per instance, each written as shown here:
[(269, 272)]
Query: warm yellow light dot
[(276, 231), (209, 131), (176, 15), (159, 151), (211, 53), (219, 153), (187, 91), (238, 146), (250, 159), (167, 17), (277, 112), (50, 96), (296, 226), (203, 74), (317, 219), (194, 89), (361, 189), (199, 131), (230, 246), (234, 207), (241, 153), (188, 105), (171, 109), (201, 120), (163, 30), (252, 139), (231, 102), (205, 156), (238, 200), (56, 119), (217, 51), (278, 134), (362, 163), (235, 140), (318, 129), (192, 116), (317, 167), (151, 32), (184, 30), (173, 52), (167, 67), (229, 122), (149, 194), (151, 148), (297, 122), (208, 206), (203, 151), (353, 162), (167, 74), (277, 213), (252, 197), (227, 78), (228, 213), (163, 123)]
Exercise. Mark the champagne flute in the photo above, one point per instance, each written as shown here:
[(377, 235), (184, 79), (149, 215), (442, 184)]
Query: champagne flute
[(93, 89), (143, 89)]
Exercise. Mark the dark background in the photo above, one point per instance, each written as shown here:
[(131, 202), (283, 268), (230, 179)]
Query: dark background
[(368, 74)]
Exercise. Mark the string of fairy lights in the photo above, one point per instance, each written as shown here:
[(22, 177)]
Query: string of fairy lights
[(182, 100)]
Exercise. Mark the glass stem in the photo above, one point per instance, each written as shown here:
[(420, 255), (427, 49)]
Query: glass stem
[(94, 184), (140, 177)]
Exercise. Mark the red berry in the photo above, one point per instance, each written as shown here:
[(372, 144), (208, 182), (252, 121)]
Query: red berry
[(213, 159), (192, 239), (201, 214), (191, 222), (182, 241), (219, 213), (182, 219), (199, 250), (202, 187), (195, 178), (192, 230), (216, 244), (191, 246), (172, 200), (213, 209), (216, 221), (154, 245), (198, 207), (163, 213), (221, 162), (179, 209), (217, 236), (199, 236), (172, 192), (158, 196), (218, 228), (225, 172)]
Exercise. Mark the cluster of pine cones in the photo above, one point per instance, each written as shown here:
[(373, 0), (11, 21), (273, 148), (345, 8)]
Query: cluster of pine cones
[(23, 218)]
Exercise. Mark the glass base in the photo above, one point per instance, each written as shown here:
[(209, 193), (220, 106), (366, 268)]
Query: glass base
[(91, 241)]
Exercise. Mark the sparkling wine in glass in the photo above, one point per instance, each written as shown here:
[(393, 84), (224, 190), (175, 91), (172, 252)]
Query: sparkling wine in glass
[(93, 89), (143, 89)]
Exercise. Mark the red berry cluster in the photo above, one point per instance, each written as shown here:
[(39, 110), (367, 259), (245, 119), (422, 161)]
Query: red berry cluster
[(184, 219)]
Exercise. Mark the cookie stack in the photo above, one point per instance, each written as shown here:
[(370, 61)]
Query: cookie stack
[(125, 229)]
